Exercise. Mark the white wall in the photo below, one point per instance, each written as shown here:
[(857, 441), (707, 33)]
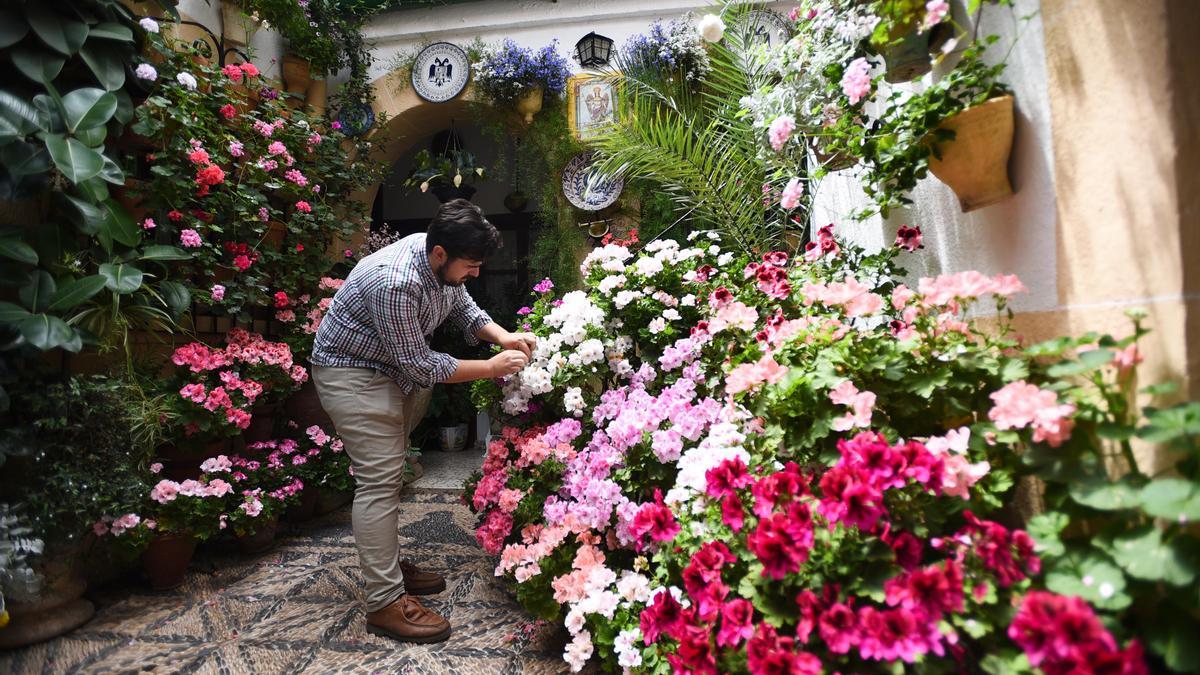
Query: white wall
[(1016, 236)]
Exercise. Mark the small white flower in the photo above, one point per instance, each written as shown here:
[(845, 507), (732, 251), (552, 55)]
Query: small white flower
[(1106, 590), (657, 325), (711, 27), (149, 25), (146, 71), (187, 80)]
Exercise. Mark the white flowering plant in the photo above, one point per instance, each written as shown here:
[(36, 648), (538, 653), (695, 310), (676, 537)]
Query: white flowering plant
[(818, 476)]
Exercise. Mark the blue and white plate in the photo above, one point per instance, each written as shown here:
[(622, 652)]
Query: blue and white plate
[(440, 72), (585, 188)]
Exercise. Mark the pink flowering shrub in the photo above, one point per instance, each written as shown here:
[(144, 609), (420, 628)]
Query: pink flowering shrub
[(801, 464), (215, 390)]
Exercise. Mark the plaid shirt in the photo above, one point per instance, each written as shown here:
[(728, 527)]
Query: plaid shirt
[(384, 313)]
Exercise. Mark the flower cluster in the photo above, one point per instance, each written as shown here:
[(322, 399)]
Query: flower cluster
[(506, 71), (676, 47), (718, 464)]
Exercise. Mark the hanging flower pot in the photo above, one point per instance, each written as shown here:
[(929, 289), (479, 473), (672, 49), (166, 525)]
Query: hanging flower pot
[(530, 103), (262, 539), (831, 160), (166, 559), (296, 75), (516, 201), (447, 191), (975, 163)]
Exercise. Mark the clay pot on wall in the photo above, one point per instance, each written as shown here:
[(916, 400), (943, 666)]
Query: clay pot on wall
[(318, 96), (975, 163), (530, 103), (275, 233), (296, 75), (262, 539), (236, 26)]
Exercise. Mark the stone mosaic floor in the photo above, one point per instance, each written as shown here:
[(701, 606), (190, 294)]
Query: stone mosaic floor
[(448, 470), (296, 609)]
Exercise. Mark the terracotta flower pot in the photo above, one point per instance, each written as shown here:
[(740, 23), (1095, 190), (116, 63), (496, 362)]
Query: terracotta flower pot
[(318, 96), (305, 404), (975, 163), (276, 230), (263, 539), (131, 195), (530, 103), (296, 74), (181, 461), (331, 500), (306, 509), (262, 423), (165, 561), (58, 609), (236, 26)]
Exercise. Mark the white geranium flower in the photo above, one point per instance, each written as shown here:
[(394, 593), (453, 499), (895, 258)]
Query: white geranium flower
[(149, 25), (711, 28), (188, 80), (146, 71)]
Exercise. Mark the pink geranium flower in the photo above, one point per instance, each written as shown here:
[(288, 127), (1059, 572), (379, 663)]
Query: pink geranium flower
[(856, 81)]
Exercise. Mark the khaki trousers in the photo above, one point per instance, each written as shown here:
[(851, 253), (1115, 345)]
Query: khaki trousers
[(374, 419)]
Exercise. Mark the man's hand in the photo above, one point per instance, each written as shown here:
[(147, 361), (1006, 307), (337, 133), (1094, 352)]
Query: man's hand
[(507, 362), (522, 342)]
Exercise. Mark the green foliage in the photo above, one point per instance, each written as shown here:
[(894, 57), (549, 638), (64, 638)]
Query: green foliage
[(453, 168)]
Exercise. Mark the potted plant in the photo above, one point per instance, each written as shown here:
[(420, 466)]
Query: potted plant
[(903, 35), (451, 408), (177, 516), (509, 74), (447, 176), (261, 493), (302, 455)]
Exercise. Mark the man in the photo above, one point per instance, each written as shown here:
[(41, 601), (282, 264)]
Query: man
[(373, 369)]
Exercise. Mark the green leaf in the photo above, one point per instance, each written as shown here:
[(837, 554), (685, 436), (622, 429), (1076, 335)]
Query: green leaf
[(1143, 555), (25, 159), (12, 28), (118, 224), (925, 384), (1114, 432), (1172, 635), (76, 292), (37, 290), (1100, 493), (39, 65), (1091, 576), (1174, 499), (19, 112), (63, 34), (1171, 423), (10, 313), (74, 159), (112, 173), (106, 64), (15, 249), (88, 108), (162, 252), (110, 30), (124, 113), (1044, 529), (121, 278), (1050, 347), (176, 295), (93, 138), (86, 215), (1006, 662), (47, 332), (1088, 361)]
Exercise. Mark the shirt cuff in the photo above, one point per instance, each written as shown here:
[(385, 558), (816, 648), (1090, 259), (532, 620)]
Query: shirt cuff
[(474, 325)]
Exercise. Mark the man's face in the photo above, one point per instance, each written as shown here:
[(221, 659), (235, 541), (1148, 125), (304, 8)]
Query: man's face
[(453, 271)]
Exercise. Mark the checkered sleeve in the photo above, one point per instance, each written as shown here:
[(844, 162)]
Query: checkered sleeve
[(468, 317), (396, 313)]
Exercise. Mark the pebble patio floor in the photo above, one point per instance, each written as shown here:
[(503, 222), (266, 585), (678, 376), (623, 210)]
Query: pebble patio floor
[(296, 609)]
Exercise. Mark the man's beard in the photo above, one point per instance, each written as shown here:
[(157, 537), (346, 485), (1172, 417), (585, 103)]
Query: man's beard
[(440, 273)]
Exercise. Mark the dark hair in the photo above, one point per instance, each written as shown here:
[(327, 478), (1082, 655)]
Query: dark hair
[(460, 228)]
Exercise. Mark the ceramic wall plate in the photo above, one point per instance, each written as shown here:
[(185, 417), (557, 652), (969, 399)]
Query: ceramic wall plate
[(584, 190), (768, 27), (440, 72)]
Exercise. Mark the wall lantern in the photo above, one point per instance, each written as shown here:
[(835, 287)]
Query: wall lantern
[(593, 50)]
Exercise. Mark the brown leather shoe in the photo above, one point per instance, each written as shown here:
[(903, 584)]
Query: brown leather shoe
[(420, 582), (407, 620)]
